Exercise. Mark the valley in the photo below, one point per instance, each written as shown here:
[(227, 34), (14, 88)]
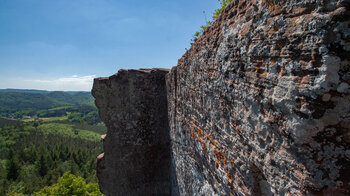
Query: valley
[(47, 135)]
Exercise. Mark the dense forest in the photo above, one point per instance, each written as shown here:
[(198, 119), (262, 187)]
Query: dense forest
[(48, 140)]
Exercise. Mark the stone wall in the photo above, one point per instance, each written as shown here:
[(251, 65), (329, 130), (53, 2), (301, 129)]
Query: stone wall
[(136, 159), (260, 103)]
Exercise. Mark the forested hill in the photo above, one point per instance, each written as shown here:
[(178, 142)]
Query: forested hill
[(44, 135), (12, 90), (30, 101)]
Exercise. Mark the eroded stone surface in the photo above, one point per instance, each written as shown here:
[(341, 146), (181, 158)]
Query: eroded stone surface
[(260, 103), (258, 106), (136, 158)]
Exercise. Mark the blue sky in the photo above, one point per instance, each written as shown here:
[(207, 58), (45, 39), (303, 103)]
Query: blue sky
[(64, 44)]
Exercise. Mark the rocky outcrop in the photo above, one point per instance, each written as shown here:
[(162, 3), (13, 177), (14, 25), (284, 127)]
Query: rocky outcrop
[(258, 106), (136, 158)]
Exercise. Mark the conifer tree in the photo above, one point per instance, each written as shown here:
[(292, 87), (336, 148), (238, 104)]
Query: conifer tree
[(13, 168), (42, 166)]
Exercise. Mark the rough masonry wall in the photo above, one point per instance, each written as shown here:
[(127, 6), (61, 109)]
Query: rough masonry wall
[(136, 159), (260, 103)]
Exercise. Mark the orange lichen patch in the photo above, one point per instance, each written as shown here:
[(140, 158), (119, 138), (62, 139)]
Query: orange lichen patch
[(204, 148), (220, 156), (229, 178), (196, 134), (273, 61), (214, 143), (208, 137), (199, 131), (204, 139), (193, 133), (196, 131)]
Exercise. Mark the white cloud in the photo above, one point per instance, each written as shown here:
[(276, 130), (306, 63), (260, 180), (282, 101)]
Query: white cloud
[(72, 83)]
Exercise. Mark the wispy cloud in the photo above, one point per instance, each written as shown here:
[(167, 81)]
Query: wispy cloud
[(72, 83)]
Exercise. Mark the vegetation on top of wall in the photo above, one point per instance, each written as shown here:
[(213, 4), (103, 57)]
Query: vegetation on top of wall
[(217, 12)]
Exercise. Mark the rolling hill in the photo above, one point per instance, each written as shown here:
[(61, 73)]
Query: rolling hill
[(12, 100)]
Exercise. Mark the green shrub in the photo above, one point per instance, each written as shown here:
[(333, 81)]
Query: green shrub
[(68, 185), (217, 12)]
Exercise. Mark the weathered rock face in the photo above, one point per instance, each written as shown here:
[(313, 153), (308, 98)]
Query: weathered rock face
[(258, 106), (136, 159)]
